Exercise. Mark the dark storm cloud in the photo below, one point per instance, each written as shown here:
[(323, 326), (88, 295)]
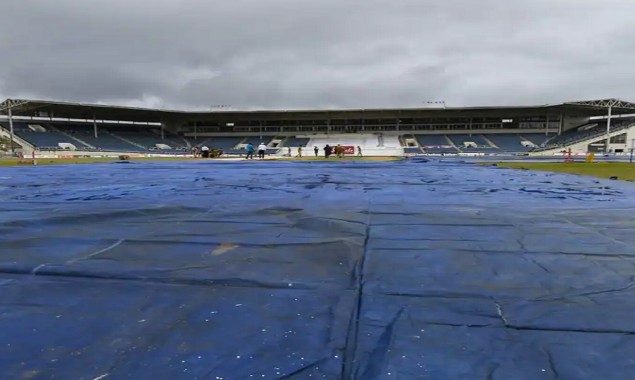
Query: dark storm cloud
[(327, 53)]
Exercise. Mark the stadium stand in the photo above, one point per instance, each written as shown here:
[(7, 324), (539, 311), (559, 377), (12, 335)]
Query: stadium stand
[(412, 150), (197, 142), (408, 141), (584, 132), (512, 143), (365, 141), (295, 142), (225, 143), (41, 137), (572, 134), (371, 144), (436, 144), (146, 138), (103, 142), (538, 139), (473, 130), (230, 145), (388, 141), (257, 140), (472, 144)]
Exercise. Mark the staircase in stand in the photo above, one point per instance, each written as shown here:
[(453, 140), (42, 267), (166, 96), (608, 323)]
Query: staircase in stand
[(490, 142), (125, 140), (450, 142), (76, 139), (167, 138)]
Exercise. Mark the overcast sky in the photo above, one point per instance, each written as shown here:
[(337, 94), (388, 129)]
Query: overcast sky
[(281, 54)]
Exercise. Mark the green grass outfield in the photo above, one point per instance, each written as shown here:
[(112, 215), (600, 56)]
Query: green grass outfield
[(622, 170)]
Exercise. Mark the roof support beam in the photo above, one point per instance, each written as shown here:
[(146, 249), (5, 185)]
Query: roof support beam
[(11, 128), (606, 103), (11, 103), (608, 130)]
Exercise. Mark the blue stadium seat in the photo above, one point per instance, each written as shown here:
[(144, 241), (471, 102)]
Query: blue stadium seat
[(146, 137), (509, 142), (46, 140), (225, 143), (435, 144), (537, 138), (482, 146), (104, 141), (256, 140)]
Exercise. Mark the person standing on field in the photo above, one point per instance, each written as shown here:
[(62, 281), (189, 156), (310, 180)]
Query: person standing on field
[(262, 148), (250, 151), (339, 151), (204, 151), (316, 150), (359, 151), (327, 151)]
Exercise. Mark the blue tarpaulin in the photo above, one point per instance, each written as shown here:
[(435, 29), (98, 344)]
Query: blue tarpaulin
[(298, 270)]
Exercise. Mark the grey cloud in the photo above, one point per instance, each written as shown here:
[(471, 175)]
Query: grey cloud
[(305, 54)]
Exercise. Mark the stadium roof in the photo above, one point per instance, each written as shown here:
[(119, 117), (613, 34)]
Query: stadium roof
[(67, 110)]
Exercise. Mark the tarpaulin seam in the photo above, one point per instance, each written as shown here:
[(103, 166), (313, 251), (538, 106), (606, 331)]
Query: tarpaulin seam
[(552, 364), (437, 224), (508, 252), (444, 295), (302, 369), (350, 351), (565, 297), (596, 232), (582, 331), (377, 356), (533, 261), (232, 283), (353, 240), (506, 324), (470, 325), (251, 187), (433, 239)]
